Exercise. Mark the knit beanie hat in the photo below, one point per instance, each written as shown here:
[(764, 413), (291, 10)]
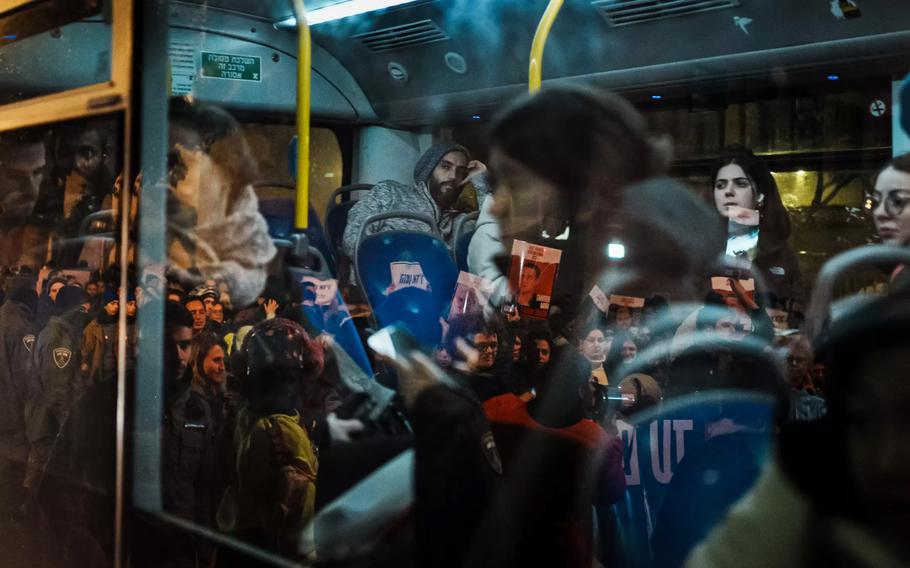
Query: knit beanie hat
[(203, 291), (109, 296), (69, 297), (431, 158)]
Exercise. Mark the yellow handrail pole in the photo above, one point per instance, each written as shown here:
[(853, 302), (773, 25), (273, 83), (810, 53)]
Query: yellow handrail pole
[(304, 61), (540, 40)]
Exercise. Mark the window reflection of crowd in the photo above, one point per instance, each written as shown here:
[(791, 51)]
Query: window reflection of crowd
[(251, 380)]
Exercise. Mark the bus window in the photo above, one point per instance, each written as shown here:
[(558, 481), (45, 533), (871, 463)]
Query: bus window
[(63, 284), (56, 47)]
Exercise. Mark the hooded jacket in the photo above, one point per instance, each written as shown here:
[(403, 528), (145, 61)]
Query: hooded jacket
[(390, 195), (485, 245)]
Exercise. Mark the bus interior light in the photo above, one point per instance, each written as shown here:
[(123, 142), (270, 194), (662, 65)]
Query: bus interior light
[(341, 10), (616, 250)]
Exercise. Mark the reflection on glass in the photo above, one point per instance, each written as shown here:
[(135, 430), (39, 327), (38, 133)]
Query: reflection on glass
[(60, 334), (53, 47)]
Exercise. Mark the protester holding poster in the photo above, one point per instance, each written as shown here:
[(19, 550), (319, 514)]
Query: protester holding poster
[(326, 314), (624, 311), (743, 187), (472, 293), (531, 275), (739, 296)]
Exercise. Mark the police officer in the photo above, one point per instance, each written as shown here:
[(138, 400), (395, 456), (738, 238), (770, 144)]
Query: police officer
[(57, 365), (17, 340)]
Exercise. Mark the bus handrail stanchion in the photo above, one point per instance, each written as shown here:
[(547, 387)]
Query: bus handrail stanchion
[(535, 67), (304, 64)]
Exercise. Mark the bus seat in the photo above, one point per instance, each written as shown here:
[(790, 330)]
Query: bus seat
[(702, 448), (279, 215), (299, 254), (336, 214), (422, 260), (336, 219), (414, 309), (686, 463)]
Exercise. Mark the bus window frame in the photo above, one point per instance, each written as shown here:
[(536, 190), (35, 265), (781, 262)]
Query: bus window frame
[(108, 98), (100, 98)]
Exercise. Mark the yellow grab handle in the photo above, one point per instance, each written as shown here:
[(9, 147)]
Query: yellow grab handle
[(304, 61), (540, 40)]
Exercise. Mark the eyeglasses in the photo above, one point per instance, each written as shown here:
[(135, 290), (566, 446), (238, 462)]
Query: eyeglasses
[(895, 201), (486, 345)]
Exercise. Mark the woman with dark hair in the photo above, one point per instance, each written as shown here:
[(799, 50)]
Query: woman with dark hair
[(888, 205), (203, 417), (889, 199), (739, 178)]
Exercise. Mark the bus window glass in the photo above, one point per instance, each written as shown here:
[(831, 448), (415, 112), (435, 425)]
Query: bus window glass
[(60, 189), (241, 299), (57, 46), (270, 144)]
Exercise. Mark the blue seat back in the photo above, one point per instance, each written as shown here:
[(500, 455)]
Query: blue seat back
[(686, 463), (376, 253), (417, 311), (279, 215)]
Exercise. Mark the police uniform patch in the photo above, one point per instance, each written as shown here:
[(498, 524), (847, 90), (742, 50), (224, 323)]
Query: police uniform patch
[(490, 451), (29, 342), (62, 357)]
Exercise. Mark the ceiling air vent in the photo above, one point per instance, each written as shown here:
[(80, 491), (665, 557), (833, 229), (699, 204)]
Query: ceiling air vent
[(627, 12), (399, 37)]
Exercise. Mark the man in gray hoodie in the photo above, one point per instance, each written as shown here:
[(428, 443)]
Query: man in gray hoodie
[(439, 177)]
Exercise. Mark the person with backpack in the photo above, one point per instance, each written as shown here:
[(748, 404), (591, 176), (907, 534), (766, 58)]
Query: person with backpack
[(272, 492)]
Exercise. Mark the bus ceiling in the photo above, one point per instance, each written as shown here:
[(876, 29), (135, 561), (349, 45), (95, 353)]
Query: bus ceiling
[(444, 62)]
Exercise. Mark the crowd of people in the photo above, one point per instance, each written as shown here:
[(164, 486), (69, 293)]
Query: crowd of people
[(516, 423)]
